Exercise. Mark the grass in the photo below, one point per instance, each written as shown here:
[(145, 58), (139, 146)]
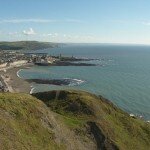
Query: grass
[(116, 125), (22, 125), (29, 123), (73, 122)]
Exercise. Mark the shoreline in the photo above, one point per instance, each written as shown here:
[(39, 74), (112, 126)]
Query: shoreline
[(14, 81), (16, 84), (18, 72)]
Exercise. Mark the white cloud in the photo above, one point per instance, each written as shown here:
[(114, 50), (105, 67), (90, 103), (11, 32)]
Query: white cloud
[(50, 35), (55, 34), (39, 21), (27, 21), (53, 37), (29, 32), (71, 38), (12, 33), (120, 21), (74, 21), (140, 22), (146, 23)]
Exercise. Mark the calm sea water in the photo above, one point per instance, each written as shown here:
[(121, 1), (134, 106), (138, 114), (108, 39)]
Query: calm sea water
[(123, 75)]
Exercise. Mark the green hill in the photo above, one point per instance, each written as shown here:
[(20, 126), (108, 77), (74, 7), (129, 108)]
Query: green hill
[(68, 120), (26, 45)]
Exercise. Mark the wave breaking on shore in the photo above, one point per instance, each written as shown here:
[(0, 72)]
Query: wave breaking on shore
[(74, 82), (18, 73)]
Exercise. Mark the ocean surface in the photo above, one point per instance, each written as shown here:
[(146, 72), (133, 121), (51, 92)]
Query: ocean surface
[(122, 74)]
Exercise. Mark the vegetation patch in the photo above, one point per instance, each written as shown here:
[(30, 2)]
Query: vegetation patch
[(60, 119), (26, 45)]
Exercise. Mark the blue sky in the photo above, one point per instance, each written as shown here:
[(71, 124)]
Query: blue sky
[(94, 21)]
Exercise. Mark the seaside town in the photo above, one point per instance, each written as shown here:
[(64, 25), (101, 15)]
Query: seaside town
[(12, 59), (17, 58)]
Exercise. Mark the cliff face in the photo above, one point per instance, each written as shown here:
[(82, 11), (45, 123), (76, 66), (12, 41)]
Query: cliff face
[(68, 120)]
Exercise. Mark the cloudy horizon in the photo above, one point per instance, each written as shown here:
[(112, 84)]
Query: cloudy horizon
[(76, 21)]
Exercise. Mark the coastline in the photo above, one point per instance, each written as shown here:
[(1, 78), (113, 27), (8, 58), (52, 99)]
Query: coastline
[(14, 82)]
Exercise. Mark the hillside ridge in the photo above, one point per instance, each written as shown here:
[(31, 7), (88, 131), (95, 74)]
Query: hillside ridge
[(26, 45), (68, 119)]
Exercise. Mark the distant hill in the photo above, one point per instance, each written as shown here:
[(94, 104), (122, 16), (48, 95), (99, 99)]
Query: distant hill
[(73, 120), (26, 45)]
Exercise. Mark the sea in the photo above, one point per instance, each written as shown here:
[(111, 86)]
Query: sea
[(122, 74)]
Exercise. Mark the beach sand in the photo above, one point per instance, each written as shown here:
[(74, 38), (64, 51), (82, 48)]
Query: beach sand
[(16, 83)]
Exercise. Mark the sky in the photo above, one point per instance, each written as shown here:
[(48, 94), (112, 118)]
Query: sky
[(76, 21)]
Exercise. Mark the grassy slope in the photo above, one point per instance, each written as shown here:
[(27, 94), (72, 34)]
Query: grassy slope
[(20, 123), (117, 126), (70, 119), (25, 45)]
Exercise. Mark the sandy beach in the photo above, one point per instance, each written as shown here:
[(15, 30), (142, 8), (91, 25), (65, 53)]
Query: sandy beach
[(14, 83)]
